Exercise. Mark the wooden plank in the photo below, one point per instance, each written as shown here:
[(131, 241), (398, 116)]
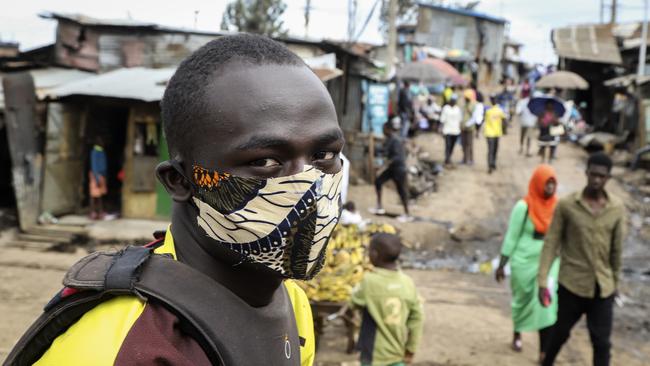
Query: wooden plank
[(22, 136), (68, 229), (30, 245), (43, 238)]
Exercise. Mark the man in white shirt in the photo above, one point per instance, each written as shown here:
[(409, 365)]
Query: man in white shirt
[(451, 118), (527, 121)]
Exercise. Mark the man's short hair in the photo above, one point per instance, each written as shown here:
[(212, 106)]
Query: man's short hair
[(601, 159), (184, 99)]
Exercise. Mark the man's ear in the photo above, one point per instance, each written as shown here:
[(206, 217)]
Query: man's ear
[(176, 185)]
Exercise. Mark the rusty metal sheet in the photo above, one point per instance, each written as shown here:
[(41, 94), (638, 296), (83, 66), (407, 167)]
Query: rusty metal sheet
[(77, 46), (26, 158), (64, 163), (594, 43)]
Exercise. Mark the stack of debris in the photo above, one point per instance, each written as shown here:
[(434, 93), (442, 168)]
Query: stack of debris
[(422, 172)]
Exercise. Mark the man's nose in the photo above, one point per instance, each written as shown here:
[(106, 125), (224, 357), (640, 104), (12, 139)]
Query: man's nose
[(295, 166)]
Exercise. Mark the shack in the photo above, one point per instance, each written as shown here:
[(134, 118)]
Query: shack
[(590, 51), (120, 109), (131, 62), (467, 36)]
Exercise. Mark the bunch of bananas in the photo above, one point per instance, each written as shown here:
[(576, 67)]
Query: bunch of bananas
[(346, 260)]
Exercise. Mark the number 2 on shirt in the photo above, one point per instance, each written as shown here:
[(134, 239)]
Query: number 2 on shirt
[(393, 309)]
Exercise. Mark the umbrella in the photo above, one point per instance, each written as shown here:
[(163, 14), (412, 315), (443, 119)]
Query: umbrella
[(537, 106), (421, 71), (447, 69), (562, 80)]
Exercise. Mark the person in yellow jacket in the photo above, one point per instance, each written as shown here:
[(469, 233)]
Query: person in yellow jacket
[(493, 130), (255, 177)]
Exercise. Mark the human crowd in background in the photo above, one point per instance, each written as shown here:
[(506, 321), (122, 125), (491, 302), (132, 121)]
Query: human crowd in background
[(461, 114)]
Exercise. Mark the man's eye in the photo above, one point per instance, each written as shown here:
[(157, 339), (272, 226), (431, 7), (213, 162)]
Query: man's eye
[(324, 155), (265, 163)]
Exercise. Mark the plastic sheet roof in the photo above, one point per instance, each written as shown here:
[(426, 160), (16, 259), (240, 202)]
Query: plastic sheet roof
[(137, 83), (49, 78)]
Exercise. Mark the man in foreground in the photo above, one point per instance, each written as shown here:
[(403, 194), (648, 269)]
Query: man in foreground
[(392, 312), (587, 232), (254, 144)]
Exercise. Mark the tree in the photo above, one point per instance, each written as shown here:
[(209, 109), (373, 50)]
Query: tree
[(255, 16)]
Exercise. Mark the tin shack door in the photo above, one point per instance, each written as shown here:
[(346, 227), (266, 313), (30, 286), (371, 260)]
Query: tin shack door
[(64, 163), (22, 135)]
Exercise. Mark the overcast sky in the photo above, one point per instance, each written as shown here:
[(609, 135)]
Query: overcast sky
[(530, 20)]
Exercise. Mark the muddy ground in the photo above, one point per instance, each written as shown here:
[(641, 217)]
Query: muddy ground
[(468, 321), (467, 315)]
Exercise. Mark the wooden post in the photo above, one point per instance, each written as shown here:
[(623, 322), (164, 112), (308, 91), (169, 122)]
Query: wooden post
[(371, 157)]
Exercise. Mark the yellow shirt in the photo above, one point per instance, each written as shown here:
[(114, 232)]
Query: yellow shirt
[(494, 122), (95, 339)]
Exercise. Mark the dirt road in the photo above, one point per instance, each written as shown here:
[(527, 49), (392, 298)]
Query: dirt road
[(468, 320)]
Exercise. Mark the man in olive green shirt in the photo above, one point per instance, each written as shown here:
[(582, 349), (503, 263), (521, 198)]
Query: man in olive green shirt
[(587, 233), (392, 320)]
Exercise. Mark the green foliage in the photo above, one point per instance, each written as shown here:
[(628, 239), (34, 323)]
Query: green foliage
[(255, 16)]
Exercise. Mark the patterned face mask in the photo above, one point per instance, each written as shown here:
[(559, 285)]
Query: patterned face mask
[(283, 223)]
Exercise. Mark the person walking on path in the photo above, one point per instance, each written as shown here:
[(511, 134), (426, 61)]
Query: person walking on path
[(522, 247), (546, 121), (468, 126), (587, 230), (392, 321), (527, 122), (395, 170), (493, 130), (451, 118), (97, 185)]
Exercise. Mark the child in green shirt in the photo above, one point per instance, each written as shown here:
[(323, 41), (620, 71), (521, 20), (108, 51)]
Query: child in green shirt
[(392, 319)]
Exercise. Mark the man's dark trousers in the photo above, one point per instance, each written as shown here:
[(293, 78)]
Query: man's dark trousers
[(493, 148), (599, 322)]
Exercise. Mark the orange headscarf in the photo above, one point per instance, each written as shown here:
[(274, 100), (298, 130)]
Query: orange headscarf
[(540, 208)]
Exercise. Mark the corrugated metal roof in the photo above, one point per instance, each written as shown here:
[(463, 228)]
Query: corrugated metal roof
[(594, 43), (626, 80), (137, 83), (107, 22), (466, 12), (48, 78)]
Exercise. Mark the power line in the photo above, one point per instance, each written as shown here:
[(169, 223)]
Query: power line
[(365, 24)]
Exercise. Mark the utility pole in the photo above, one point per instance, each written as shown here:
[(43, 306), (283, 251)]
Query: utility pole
[(644, 44), (392, 36), (352, 19), (602, 11), (307, 10), (612, 20)]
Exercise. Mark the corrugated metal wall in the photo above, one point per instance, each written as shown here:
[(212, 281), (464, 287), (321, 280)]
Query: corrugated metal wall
[(102, 50), (453, 31)]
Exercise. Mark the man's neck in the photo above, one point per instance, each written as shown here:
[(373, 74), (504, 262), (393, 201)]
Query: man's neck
[(252, 286), (389, 266), (593, 194)]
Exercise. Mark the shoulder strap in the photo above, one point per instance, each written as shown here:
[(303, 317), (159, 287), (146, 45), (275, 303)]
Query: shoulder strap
[(216, 318)]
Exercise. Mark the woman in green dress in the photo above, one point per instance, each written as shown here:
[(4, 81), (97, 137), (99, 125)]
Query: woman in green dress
[(522, 246)]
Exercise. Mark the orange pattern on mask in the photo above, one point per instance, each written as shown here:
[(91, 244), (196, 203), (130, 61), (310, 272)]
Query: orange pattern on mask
[(208, 179)]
